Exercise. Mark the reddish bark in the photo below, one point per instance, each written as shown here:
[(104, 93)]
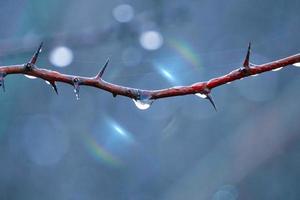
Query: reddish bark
[(139, 94)]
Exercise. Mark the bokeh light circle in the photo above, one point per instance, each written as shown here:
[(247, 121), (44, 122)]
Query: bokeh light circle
[(123, 13), (226, 192), (131, 56), (151, 40), (44, 140), (61, 56)]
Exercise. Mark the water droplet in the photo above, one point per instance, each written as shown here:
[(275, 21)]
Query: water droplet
[(30, 77), (76, 91), (228, 83), (47, 82), (143, 104), (254, 75), (203, 96), (277, 69), (296, 64)]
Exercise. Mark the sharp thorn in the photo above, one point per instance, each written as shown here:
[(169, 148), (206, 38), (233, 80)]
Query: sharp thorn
[(209, 97), (2, 75), (3, 85), (246, 63), (36, 54), (100, 74), (54, 86), (114, 94)]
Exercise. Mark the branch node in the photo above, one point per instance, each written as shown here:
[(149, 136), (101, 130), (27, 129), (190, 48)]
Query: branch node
[(101, 72), (28, 67)]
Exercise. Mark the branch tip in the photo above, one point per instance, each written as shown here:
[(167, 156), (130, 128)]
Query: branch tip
[(101, 72)]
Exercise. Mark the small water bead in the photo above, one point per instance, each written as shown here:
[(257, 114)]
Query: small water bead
[(143, 104), (47, 82), (203, 96), (297, 64), (254, 75), (277, 69), (30, 77), (76, 91)]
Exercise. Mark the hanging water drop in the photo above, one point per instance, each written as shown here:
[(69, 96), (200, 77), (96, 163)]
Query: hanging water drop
[(296, 64), (76, 87), (30, 77), (228, 83), (277, 69), (143, 104), (203, 96), (47, 82), (254, 75), (76, 91)]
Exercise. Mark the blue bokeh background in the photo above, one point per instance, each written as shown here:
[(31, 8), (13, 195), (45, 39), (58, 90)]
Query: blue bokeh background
[(100, 147)]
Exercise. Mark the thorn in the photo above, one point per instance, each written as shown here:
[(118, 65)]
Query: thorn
[(209, 97), (246, 64), (54, 86), (2, 75), (114, 94), (36, 55), (100, 74)]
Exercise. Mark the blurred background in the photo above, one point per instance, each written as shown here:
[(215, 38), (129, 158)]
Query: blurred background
[(100, 147)]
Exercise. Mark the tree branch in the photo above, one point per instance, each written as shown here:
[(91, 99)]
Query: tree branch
[(143, 98)]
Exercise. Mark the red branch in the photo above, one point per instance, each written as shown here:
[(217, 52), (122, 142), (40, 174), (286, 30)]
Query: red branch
[(201, 88)]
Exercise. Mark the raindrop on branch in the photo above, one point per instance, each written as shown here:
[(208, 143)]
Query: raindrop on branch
[(30, 77), (296, 64), (277, 69), (143, 104), (203, 96), (76, 91)]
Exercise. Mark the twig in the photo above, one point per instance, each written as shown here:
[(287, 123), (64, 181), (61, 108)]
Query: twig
[(143, 98)]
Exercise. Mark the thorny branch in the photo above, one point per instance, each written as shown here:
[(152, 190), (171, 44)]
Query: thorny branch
[(202, 89)]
